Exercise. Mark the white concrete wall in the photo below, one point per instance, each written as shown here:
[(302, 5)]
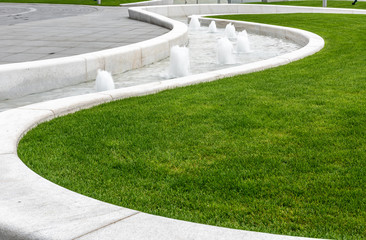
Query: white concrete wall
[(148, 3), (210, 9), (20, 79)]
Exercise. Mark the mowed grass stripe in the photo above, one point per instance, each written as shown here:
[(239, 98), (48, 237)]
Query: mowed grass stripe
[(310, 3)]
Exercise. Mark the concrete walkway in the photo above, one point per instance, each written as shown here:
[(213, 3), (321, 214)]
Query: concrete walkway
[(30, 32)]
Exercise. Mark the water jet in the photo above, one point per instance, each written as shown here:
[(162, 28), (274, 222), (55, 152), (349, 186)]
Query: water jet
[(179, 65), (194, 24), (225, 51), (230, 31), (104, 81), (212, 27), (242, 42)]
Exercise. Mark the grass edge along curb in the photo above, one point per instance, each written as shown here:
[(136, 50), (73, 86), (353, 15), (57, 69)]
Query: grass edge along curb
[(330, 4)]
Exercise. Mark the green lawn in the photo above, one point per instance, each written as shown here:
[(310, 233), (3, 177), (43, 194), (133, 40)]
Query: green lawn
[(330, 3), (82, 2), (280, 151)]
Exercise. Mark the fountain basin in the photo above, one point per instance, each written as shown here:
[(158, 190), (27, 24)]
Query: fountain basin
[(21, 79), (203, 58)]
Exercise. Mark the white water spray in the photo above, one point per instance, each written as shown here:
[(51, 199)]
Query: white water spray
[(104, 81), (212, 27), (179, 65), (230, 31), (242, 43), (225, 51), (194, 24)]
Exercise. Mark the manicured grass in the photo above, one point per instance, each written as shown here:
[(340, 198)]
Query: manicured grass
[(81, 2), (331, 4), (280, 151)]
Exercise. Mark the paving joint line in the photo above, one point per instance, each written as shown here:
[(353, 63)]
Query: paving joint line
[(5, 153), (109, 224), (37, 109)]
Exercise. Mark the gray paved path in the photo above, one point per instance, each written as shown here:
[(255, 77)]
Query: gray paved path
[(30, 32)]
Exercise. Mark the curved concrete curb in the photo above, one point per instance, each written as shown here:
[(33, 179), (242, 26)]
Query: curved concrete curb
[(212, 9), (148, 3), (34, 208)]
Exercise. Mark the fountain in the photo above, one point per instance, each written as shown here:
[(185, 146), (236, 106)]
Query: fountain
[(104, 81), (242, 43), (179, 65), (194, 24), (212, 27), (202, 55), (225, 51), (230, 31)]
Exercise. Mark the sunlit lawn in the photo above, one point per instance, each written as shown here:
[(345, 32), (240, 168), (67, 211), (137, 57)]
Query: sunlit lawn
[(319, 3)]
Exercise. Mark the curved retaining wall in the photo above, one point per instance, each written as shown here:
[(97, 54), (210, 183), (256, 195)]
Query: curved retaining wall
[(148, 3), (20, 79), (211, 9), (34, 208)]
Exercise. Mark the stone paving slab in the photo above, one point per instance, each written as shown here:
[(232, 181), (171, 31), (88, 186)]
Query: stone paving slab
[(30, 32), (11, 13)]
